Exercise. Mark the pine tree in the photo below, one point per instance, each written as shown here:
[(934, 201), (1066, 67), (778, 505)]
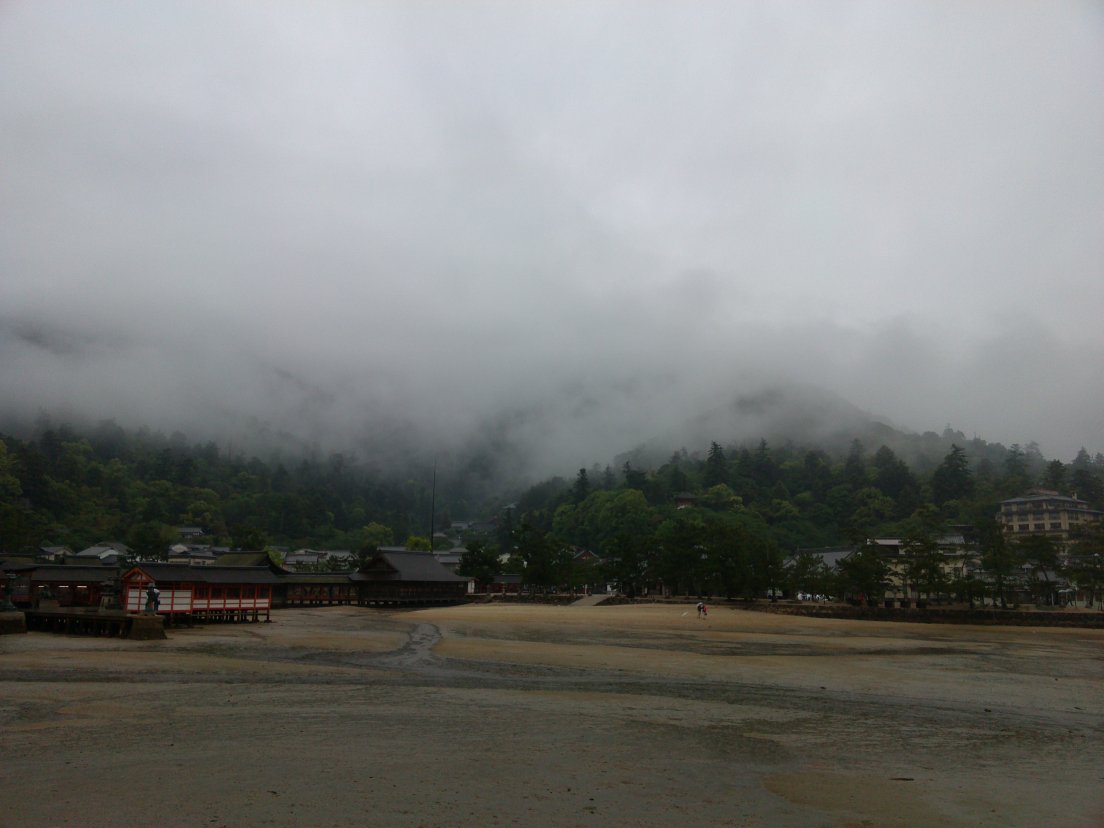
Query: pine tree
[(716, 466), (581, 488), (952, 480)]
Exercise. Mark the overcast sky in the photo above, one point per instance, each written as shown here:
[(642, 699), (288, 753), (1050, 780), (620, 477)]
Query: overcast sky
[(321, 213)]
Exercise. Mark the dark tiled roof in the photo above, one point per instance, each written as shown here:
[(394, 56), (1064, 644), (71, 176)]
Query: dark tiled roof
[(830, 555), (243, 559), (205, 554), (13, 562), (209, 574), (99, 552), (407, 566), (74, 573), (313, 578), (1055, 497), (448, 557)]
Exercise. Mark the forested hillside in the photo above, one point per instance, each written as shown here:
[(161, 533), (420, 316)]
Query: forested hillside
[(754, 505), (68, 488), (62, 486)]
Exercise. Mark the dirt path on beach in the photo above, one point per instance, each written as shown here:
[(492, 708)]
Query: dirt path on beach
[(499, 714)]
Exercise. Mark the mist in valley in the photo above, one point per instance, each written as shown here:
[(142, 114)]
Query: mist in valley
[(521, 240)]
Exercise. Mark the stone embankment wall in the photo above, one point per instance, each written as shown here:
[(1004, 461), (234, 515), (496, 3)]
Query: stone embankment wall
[(552, 598), (1086, 618), (942, 615)]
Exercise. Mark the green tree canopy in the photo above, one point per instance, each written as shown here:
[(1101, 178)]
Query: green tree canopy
[(952, 480), (864, 572), (716, 466), (479, 562)]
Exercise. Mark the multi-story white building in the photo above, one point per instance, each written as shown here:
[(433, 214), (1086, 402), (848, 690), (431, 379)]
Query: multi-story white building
[(1045, 512)]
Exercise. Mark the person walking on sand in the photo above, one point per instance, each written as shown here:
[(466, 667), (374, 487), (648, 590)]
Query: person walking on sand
[(701, 609)]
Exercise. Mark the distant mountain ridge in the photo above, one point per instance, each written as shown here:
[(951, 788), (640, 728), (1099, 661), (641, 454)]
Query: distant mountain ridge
[(808, 417), (572, 427), (778, 414)]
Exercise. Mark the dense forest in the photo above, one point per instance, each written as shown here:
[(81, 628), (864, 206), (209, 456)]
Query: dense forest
[(64, 487), (754, 504)]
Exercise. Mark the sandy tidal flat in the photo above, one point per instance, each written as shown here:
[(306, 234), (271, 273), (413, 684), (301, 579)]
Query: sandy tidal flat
[(504, 714)]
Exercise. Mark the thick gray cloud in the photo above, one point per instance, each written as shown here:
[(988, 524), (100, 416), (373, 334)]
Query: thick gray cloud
[(615, 213)]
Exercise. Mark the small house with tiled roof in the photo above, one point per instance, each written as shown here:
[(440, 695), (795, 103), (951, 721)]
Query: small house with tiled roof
[(191, 554), (392, 577), (685, 500), (450, 558), (243, 559), (106, 552), (54, 553)]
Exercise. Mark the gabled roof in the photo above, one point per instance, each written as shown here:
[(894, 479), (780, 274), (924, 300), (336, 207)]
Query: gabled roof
[(206, 574), (899, 545), (116, 545), (191, 552), (100, 552), (1039, 495), (301, 557), (12, 563), (51, 573), (243, 559), (829, 555), (318, 555), (316, 578), (406, 566), (451, 557)]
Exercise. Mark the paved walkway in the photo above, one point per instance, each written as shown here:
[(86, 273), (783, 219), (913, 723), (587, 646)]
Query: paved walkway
[(590, 600)]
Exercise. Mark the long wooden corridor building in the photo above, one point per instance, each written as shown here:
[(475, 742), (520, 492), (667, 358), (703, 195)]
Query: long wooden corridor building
[(239, 593)]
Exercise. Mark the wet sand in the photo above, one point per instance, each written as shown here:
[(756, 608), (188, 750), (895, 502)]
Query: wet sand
[(503, 714)]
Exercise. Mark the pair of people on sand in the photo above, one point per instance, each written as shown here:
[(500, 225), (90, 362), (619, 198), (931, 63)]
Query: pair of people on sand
[(703, 610)]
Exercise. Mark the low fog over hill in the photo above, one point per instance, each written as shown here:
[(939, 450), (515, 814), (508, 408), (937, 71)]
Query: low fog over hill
[(529, 238)]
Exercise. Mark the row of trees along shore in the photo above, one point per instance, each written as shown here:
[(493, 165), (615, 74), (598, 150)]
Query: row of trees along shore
[(755, 504), (753, 508)]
